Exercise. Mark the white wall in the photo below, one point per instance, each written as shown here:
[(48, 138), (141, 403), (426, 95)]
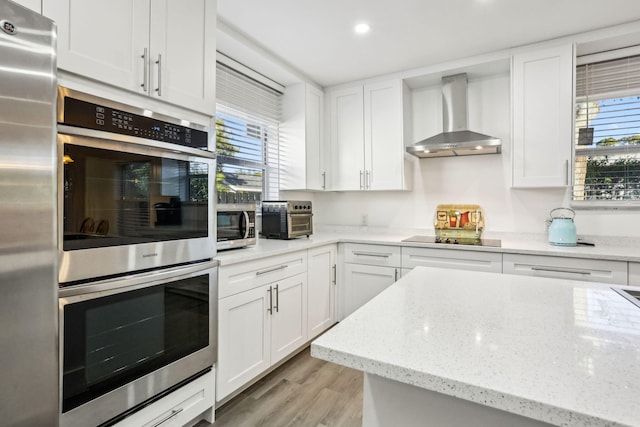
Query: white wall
[(483, 180)]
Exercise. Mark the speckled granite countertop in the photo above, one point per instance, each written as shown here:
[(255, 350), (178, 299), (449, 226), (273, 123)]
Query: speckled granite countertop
[(605, 249), (559, 351)]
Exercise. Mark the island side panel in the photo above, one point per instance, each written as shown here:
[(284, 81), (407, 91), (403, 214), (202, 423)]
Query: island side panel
[(387, 402)]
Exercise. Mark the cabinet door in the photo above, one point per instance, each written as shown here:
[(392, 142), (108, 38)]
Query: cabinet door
[(452, 258), (383, 137), (182, 50), (347, 139), (244, 339), (289, 316), (363, 282), (315, 154), (321, 289), (542, 88), (590, 270), (35, 5), (303, 168), (634, 273), (102, 40)]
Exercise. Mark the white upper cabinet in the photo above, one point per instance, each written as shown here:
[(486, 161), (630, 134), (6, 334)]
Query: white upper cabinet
[(346, 107), (301, 131), (183, 53), (35, 5), (366, 131), (164, 48), (542, 90)]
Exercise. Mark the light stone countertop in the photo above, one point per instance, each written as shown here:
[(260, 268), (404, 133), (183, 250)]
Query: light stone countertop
[(559, 351), (605, 249)]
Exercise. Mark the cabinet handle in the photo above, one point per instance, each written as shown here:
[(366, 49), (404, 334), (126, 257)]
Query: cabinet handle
[(145, 67), (367, 180), (159, 63), (269, 270), (566, 172), (277, 298), (335, 274), (361, 180), (270, 309), (324, 180), (396, 275), (168, 417), (376, 254), (561, 270)]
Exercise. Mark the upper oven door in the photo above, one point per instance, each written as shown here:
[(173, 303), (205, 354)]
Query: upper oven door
[(128, 206)]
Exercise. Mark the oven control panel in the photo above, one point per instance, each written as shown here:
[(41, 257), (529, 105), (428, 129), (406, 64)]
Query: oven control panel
[(93, 116)]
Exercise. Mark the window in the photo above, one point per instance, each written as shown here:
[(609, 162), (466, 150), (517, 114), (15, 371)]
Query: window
[(247, 121), (607, 143)]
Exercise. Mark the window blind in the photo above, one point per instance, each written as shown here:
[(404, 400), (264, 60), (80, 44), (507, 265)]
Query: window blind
[(607, 145), (247, 134)]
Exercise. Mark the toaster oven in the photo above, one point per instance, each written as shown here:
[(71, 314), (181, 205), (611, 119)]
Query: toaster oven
[(286, 219)]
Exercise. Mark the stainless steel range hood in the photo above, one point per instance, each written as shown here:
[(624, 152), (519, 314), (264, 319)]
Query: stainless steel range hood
[(456, 139)]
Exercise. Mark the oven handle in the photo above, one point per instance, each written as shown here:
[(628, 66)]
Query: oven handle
[(117, 285), (107, 140)]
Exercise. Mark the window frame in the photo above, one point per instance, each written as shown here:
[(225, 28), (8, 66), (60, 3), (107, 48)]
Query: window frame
[(598, 204)]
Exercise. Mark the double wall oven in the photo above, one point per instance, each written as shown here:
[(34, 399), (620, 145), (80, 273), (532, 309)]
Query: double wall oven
[(137, 279)]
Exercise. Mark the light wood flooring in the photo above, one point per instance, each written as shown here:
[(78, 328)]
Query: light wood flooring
[(305, 391)]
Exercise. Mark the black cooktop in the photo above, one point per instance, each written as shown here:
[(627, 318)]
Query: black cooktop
[(433, 239)]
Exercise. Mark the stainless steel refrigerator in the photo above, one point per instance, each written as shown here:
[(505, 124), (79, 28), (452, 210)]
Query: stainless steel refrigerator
[(29, 386)]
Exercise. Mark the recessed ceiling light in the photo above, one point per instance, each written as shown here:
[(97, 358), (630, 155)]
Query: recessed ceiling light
[(362, 28)]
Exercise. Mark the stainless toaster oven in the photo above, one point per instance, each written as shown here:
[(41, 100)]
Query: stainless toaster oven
[(286, 219)]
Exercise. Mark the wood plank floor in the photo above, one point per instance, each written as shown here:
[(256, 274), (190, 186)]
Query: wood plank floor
[(305, 391)]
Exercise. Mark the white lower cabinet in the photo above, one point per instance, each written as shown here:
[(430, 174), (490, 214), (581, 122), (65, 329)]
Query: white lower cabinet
[(363, 282), (257, 328), (185, 406), (321, 289), (590, 270), (634, 273), (367, 271), (451, 258)]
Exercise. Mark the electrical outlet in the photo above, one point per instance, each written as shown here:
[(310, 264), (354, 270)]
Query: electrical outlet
[(364, 220)]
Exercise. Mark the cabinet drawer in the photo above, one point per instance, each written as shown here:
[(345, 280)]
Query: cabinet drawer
[(451, 258), (383, 255), (634, 273), (241, 277), (178, 408), (590, 270)]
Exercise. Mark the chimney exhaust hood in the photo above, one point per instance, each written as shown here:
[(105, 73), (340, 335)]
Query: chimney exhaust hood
[(456, 139)]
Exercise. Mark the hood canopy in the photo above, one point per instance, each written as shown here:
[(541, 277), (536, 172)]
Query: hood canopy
[(456, 140)]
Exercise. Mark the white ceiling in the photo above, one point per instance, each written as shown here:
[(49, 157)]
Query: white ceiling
[(316, 38)]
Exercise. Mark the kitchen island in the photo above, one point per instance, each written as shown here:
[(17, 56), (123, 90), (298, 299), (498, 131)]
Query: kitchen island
[(456, 348)]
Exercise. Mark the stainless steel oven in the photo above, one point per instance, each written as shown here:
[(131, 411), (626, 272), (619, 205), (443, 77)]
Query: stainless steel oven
[(126, 342), (236, 225), (134, 189)]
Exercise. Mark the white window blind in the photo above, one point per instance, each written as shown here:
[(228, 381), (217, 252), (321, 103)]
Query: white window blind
[(607, 145), (247, 134)]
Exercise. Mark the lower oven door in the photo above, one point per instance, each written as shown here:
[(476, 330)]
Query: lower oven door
[(126, 342)]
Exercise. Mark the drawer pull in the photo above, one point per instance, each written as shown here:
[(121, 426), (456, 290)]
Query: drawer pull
[(269, 270), (560, 270), (376, 254), (168, 417)]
